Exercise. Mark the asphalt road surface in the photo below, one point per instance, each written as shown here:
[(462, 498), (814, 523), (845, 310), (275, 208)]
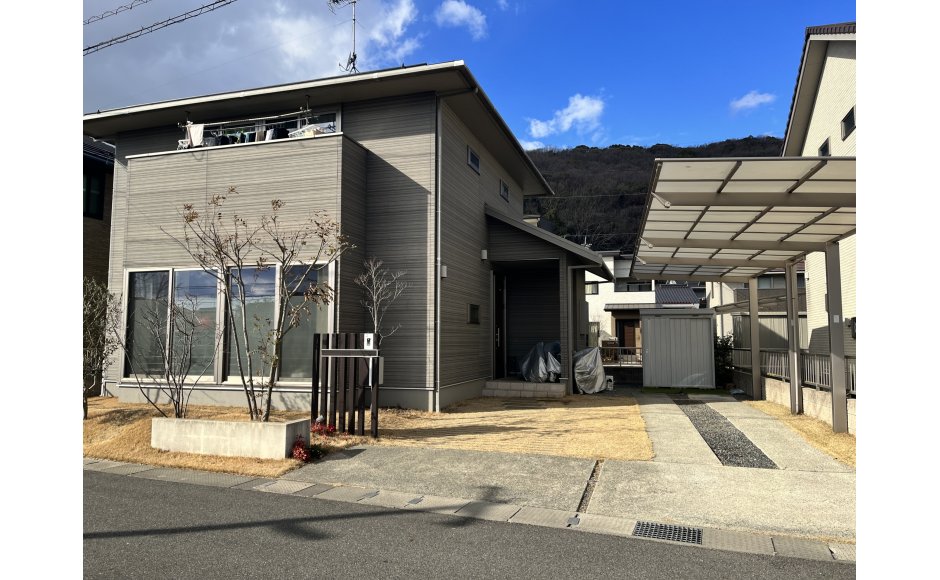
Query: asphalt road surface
[(140, 528)]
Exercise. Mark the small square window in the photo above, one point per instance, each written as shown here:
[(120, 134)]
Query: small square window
[(590, 288), (824, 149), (503, 190), (473, 160), (848, 123), (473, 314)]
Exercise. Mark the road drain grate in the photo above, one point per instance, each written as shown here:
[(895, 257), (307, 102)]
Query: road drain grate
[(667, 532)]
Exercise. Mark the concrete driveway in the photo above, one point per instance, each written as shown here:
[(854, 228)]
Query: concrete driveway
[(798, 491)]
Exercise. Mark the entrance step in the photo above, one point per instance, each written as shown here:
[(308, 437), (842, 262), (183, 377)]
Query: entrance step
[(510, 388)]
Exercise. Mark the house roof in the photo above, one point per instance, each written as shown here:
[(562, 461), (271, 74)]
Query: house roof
[(726, 219), (97, 150), (629, 306), (817, 39), (451, 81), (588, 257), (675, 294)]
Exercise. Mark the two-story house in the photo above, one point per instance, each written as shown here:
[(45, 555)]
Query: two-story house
[(419, 169)]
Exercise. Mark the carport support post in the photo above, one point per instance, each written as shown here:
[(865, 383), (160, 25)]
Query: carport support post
[(793, 338), (840, 413), (756, 390)]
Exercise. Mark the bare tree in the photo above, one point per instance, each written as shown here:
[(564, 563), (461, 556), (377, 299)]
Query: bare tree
[(381, 287), (228, 247), (100, 312), (172, 346)]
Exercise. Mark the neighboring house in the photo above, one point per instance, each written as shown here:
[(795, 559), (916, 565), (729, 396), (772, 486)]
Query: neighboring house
[(97, 175), (420, 170), (614, 307), (822, 122), (730, 303)]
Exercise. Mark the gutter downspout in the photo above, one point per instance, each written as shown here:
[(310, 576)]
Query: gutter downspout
[(436, 403)]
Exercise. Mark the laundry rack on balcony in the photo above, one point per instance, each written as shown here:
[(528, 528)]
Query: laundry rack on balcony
[(269, 128)]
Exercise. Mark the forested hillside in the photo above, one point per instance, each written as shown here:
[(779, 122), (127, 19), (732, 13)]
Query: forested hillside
[(601, 192)]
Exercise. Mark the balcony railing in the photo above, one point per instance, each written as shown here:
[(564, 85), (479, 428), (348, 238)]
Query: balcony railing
[(621, 356), (816, 368)]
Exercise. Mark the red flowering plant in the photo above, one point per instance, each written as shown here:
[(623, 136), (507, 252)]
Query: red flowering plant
[(306, 453), (322, 429)]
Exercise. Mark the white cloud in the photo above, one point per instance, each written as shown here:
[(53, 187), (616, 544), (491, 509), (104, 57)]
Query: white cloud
[(530, 145), (582, 114), (314, 45), (752, 100), (456, 13), (503, 5)]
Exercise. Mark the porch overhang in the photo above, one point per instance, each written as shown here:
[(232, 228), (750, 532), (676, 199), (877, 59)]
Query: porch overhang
[(729, 220), (592, 261)]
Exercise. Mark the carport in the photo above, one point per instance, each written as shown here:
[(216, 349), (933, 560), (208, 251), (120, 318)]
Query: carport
[(732, 219)]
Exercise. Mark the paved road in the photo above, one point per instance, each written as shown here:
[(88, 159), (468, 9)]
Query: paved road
[(140, 528)]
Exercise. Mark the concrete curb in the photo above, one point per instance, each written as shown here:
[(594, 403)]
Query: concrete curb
[(711, 538)]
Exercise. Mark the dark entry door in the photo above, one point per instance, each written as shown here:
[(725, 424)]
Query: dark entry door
[(499, 324)]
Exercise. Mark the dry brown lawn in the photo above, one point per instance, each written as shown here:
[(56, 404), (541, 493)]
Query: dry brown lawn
[(121, 432), (818, 433), (575, 426)]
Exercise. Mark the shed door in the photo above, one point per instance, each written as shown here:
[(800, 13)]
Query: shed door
[(678, 352)]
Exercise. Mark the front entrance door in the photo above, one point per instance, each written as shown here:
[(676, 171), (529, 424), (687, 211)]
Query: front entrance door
[(499, 325)]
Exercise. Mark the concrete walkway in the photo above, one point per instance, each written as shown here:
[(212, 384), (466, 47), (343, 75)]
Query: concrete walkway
[(805, 508)]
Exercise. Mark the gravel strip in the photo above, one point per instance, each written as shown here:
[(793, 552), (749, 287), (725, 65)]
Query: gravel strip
[(591, 484), (729, 444)]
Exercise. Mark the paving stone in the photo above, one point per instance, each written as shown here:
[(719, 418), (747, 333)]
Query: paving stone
[(737, 541), (315, 490), (605, 525), (283, 486), (194, 477), (89, 460), (128, 469), (799, 548), (253, 483), (438, 504), (103, 465), (844, 552), (346, 493), (542, 517), (390, 499), (484, 510)]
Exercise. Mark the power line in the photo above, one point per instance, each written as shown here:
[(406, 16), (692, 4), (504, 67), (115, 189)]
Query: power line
[(153, 27), (117, 10)]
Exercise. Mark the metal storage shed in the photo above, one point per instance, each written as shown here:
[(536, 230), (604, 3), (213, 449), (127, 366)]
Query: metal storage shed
[(678, 347)]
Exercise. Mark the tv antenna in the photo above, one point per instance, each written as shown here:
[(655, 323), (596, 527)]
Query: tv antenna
[(351, 61)]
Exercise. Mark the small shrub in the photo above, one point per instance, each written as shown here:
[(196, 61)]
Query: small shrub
[(299, 451), (724, 366), (323, 429)]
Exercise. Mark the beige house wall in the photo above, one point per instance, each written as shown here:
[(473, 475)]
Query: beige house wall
[(835, 97)]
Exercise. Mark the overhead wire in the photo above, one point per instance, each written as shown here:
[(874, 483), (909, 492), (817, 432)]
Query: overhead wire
[(117, 10), (157, 26)]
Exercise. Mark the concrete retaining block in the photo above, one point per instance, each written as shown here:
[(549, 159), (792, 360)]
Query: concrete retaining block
[(272, 440)]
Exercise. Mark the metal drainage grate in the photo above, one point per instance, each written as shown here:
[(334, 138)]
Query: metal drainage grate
[(667, 532)]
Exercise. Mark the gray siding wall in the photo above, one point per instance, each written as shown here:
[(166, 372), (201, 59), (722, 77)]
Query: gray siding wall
[(466, 353), (400, 136), (350, 312), (149, 191)]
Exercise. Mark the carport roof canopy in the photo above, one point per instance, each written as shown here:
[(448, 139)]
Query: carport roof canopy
[(727, 219)]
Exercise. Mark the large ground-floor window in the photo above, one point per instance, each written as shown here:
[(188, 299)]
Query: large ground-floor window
[(176, 313)]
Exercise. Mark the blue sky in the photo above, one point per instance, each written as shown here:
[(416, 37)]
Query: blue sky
[(560, 73)]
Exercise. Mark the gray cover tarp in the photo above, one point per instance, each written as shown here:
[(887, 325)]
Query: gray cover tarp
[(540, 365), (589, 371)]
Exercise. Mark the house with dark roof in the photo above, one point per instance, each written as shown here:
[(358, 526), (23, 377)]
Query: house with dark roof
[(419, 169), (97, 175)]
